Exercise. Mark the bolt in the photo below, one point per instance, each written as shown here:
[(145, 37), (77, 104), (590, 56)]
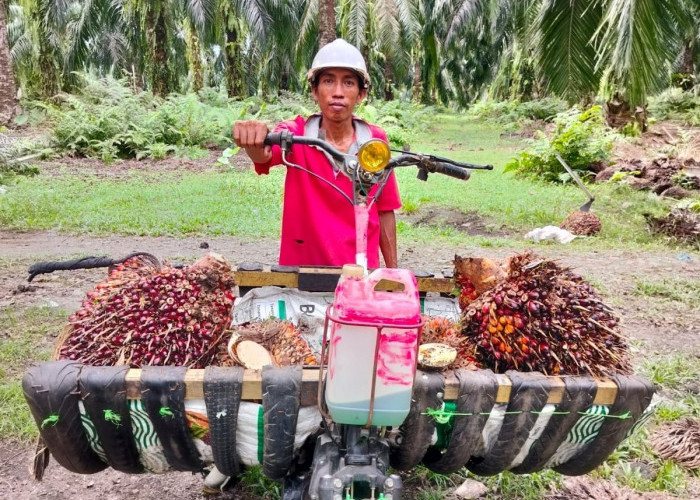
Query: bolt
[(337, 483), (389, 483)]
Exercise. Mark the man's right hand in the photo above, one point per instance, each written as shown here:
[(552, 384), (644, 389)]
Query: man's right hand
[(250, 135)]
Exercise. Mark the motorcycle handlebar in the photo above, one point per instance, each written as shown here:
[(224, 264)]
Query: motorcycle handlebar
[(437, 164)]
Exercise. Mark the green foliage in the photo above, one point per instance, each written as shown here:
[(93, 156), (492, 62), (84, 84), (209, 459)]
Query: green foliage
[(9, 171), (674, 103), (400, 120), (676, 289), (107, 121), (256, 483), (507, 112), (25, 336), (523, 486), (580, 139)]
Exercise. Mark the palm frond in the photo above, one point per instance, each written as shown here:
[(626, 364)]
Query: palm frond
[(638, 39), (567, 58)]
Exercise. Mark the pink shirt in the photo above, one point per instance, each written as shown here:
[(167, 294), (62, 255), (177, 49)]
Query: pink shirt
[(318, 224)]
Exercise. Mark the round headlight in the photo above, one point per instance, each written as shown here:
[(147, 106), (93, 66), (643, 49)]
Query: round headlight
[(374, 155)]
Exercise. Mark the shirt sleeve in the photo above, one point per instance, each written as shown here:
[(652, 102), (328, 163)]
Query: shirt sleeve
[(296, 127)]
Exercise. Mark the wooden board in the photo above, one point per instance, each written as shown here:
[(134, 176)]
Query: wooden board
[(252, 383), (325, 279)]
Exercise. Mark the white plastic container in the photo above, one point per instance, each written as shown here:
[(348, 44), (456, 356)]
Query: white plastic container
[(372, 330)]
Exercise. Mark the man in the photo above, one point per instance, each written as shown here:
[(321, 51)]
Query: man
[(318, 223)]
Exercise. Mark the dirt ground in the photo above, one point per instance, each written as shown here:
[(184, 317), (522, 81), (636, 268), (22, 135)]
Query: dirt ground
[(658, 328)]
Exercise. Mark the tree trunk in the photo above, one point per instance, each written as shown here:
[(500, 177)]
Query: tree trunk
[(688, 65), (234, 64), (416, 81), (160, 78), (389, 78), (326, 22), (8, 89), (194, 57), (618, 113), (47, 69), (688, 81)]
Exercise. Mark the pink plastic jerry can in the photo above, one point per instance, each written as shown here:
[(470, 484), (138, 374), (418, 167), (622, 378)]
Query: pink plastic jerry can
[(373, 347)]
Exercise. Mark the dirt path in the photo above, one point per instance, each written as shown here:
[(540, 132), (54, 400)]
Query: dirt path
[(659, 326), (615, 273)]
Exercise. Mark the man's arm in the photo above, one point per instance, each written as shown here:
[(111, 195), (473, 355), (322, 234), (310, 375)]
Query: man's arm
[(387, 238)]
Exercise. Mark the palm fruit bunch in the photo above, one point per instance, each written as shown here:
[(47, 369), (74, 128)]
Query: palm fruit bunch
[(145, 314), (542, 317), (473, 276), (439, 330), (582, 223), (281, 339)]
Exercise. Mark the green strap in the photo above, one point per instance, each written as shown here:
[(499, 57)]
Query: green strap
[(261, 433), (282, 306), (50, 420)]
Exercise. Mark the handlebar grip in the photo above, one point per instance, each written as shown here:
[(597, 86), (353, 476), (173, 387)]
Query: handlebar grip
[(452, 171), (273, 139)]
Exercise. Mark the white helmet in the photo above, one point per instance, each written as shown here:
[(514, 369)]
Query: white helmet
[(339, 54)]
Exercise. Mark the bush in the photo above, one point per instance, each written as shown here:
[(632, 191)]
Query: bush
[(580, 139), (514, 111), (674, 103), (106, 120), (399, 119)]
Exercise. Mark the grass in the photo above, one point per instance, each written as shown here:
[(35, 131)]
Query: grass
[(674, 289), (225, 202), (25, 337)]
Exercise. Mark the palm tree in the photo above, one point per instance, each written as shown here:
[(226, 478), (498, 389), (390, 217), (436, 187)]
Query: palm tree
[(8, 88)]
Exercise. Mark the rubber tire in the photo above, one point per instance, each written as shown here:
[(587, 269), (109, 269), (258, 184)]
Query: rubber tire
[(222, 396), (51, 388), (104, 388), (579, 392), (418, 428), (528, 394), (634, 395), (281, 396), (164, 386), (476, 398)]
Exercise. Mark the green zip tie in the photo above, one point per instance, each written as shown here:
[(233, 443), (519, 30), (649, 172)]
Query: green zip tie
[(112, 417), (50, 420), (166, 412), (442, 417)]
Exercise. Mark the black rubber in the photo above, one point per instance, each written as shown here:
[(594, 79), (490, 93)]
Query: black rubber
[(476, 398), (86, 263), (103, 391), (51, 391), (281, 395), (529, 393), (633, 395), (418, 428), (222, 396), (578, 396), (163, 396)]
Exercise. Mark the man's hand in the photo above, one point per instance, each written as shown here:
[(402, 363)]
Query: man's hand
[(250, 135)]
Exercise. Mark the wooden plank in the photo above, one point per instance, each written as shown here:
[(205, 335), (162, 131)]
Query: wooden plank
[(266, 278), (324, 280), (252, 387)]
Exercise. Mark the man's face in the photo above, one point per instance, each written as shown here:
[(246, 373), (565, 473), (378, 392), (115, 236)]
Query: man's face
[(337, 93)]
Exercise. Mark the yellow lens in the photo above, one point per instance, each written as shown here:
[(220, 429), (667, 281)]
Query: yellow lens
[(374, 155)]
